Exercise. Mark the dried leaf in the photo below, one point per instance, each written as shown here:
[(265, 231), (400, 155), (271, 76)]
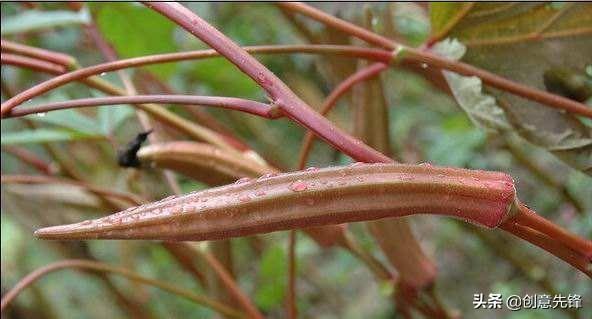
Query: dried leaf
[(308, 198), (443, 16), (402, 249), (555, 37)]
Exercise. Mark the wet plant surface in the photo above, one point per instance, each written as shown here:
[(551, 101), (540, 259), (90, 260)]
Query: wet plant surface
[(290, 160)]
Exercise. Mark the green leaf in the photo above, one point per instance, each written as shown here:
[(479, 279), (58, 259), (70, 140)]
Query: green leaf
[(136, 30), (455, 142), (467, 90), (41, 136), (70, 119), (272, 278), (219, 73), (111, 117), (32, 20)]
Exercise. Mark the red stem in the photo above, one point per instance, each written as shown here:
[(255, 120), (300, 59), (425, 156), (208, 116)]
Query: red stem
[(339, 24), (549, 244), (37, 53), (292, 308), (331, 100), (31, 63), (543, 97), (531, 219), (280, 94), (439, 62), (248, 106), (352, 51)]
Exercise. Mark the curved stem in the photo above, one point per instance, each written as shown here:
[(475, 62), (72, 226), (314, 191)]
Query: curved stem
[(231, 285), (159, 113), (297, 109), (350, 243), (546, 98), (344, 26), (37, 53), (331, 100), (102, 267), (352, 51), (527, 217), (279, 93), (31, 63), (543, 97), (547, 243), (146, 123), (165, 116), (292, 311), (248, 106)]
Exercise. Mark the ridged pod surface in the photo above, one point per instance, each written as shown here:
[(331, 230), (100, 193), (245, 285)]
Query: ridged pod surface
[(334, 195)]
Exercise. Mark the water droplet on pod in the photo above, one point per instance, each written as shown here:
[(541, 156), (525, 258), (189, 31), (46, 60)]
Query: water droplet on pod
[(298, 186), (260, 193), (242, 180)]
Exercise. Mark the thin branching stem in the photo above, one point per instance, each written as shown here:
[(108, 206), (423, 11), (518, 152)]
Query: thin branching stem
[(297, 109), (156, 111), (31, 63), (109, 53), (529, 218), (433, 60), (331, 100), (292, 309), (351, 245), (345, 50), (550, 245), (102, 267), (37, 53), (247, 106), (231, 284), (279, 93)]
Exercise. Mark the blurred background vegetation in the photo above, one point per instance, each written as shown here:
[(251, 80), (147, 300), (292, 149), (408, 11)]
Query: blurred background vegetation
[(426, 125)]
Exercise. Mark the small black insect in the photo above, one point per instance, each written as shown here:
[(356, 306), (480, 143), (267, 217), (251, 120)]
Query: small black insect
[(128, 156)]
